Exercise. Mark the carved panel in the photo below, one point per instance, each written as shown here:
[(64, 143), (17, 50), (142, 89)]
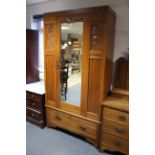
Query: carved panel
[(50, 36), (96, 35), (69, 19), (95, 38)]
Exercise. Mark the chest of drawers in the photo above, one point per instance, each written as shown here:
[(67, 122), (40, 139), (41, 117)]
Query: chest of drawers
[(115, 125), (75, 124), (35, 108)]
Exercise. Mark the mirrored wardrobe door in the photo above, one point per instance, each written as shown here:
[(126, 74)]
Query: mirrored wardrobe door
[(71, 62)]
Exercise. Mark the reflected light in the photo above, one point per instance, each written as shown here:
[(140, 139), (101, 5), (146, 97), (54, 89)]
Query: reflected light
[(65, 28)]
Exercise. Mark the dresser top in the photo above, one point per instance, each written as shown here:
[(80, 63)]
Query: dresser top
[(116, 103), (120, 91), (36, 87)]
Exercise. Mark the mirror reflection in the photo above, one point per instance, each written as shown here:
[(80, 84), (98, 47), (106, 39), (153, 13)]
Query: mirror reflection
[(71, 62)]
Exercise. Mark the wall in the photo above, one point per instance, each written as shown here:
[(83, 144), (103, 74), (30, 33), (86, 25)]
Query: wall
[(121, 7)]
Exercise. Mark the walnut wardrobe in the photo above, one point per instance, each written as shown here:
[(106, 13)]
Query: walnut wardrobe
[(96, 53)]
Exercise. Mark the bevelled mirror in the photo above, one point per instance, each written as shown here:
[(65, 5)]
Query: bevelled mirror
[(71, 62)]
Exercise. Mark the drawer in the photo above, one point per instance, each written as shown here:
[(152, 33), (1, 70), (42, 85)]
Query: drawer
[(119, 130), (33, 114), (115, 143), (33, 104), (33, 96), (116, 116), (83, 127), (56, 118)]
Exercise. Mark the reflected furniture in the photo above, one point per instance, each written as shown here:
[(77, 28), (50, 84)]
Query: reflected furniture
[(75, 64), (96, 73), (64, 80), (35, 104), (32, 72), (114, 134)]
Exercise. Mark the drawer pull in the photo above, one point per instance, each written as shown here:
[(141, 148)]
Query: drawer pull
[(32, 95), (33, 103), (58, 118), (120, 130), (117, 143), (83, 128), (122, 118)]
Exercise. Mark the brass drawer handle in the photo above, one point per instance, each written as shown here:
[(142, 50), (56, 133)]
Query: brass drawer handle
[(117, 143), (119, 130), (58, 118), (32, 95), (83, 128), (122, 118)]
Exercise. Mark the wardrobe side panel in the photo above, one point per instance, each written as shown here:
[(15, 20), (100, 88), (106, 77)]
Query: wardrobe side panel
[(109, 50)]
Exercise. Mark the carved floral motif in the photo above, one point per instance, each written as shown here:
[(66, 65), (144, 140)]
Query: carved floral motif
[(51, 36), (71, 19), (95, 36)]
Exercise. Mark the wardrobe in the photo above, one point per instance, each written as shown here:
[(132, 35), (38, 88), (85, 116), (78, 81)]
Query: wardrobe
[(97, 44)]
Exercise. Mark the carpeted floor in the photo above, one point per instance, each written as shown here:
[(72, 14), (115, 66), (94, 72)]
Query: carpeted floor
[(50, 141), (73, 94)]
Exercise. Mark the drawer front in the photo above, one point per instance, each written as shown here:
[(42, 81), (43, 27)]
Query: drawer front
[(56, 118), (33, 96), (116, 129), (33, 104), (116, 116), (33, 114), (83, 127), (115, 143)]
